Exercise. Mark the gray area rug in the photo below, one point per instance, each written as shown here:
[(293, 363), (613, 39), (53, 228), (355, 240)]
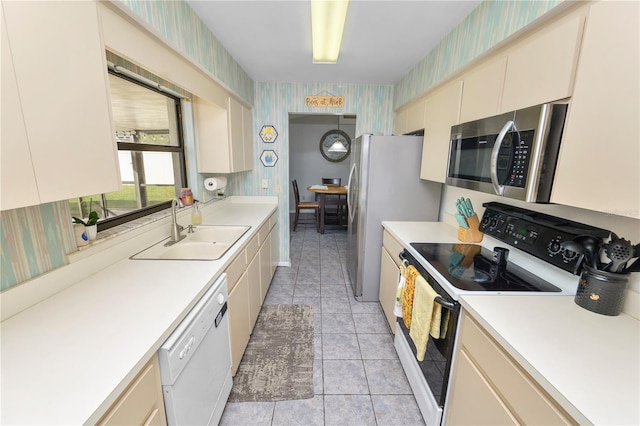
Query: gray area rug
[(278, 362)]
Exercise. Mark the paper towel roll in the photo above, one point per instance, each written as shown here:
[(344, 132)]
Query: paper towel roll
[(211, 184)]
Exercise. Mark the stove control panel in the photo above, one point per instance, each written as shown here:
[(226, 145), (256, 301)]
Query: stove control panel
[(535, 233)]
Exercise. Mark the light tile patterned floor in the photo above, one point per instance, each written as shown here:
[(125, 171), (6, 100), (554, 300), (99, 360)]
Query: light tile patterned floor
[(358, 379)]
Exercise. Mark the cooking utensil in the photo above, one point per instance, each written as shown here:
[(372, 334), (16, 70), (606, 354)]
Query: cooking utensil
[(591, 247), (620, 251)]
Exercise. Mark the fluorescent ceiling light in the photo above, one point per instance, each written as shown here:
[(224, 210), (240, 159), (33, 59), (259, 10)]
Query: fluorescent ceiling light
[(327, 25)]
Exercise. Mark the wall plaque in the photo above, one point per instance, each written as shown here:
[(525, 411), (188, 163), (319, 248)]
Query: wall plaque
[(324, 101)]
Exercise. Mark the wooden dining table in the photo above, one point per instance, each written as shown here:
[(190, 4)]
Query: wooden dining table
[(323, 191)]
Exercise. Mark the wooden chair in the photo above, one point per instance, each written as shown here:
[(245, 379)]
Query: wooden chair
[(305, 205), (334, 200)]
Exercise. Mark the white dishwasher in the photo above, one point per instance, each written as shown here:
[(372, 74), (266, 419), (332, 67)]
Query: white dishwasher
[(195, 362)]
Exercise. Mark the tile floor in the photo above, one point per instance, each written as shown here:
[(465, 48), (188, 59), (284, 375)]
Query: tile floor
[(358, 379)]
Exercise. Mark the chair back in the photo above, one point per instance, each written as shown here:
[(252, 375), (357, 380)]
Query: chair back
[(332, 181), (296, 194)]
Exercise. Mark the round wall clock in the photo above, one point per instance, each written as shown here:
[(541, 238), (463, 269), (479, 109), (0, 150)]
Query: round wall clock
[(327, 141)]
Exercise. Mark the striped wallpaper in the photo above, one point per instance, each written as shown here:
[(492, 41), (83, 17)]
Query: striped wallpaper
[(487, 25), (36, 239)]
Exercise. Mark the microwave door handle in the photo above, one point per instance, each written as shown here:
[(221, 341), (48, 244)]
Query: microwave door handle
[(497, 187)]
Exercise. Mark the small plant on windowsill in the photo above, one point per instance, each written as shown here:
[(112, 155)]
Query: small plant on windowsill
[(90, 224)]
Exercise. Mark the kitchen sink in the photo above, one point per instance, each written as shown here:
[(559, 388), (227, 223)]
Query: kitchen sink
[(204, 242)]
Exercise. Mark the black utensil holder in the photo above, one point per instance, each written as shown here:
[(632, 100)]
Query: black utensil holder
[(601, 292)]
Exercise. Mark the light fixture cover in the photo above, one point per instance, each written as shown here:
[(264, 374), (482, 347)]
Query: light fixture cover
[(337, 146), (327, 25)]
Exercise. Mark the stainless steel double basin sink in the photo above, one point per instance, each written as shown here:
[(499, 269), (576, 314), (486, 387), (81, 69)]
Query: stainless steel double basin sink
[(201, 242)]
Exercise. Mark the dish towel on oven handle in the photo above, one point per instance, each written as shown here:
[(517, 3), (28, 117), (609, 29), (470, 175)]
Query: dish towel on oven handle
[(426, 316), (407, 295)]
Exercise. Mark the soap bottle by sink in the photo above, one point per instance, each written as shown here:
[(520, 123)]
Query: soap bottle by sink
[(196, 215)]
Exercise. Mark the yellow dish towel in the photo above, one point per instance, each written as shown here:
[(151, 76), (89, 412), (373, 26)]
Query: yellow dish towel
[(423, 316), (407, 295)]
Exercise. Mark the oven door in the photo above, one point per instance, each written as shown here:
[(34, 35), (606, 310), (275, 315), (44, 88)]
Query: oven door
[(429, 379)]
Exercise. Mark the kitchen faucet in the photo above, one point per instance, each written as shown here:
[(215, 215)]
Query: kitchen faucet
[(175, 228)]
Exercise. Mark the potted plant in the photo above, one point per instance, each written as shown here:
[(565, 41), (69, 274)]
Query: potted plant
[(90, 223)]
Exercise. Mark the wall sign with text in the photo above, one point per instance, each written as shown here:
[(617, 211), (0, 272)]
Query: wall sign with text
[(324, 101)]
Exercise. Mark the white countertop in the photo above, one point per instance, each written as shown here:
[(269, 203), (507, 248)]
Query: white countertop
[(589, 363), (66, 359)]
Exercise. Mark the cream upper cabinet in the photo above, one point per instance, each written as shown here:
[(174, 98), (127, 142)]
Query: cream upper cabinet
[(15, 157), (604, 116), (220, 136), (542, 67), (63, 105), (483, 90), (415, 116), (441, 112), (400, 123)]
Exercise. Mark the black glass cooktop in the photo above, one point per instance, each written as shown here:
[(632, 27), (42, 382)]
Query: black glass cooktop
[(471, 267)]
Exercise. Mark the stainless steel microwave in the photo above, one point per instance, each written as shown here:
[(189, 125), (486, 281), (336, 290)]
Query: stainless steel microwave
[(513, 154)]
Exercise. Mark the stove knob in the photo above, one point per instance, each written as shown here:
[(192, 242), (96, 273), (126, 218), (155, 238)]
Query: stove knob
[(568, 255), (554, 247)]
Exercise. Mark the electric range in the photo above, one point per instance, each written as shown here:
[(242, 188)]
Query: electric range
[(455, 269)]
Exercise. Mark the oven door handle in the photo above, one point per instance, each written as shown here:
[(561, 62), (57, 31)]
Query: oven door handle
[(444, 303)]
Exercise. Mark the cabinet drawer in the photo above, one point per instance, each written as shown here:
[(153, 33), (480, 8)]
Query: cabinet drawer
[(252, 248), (263, 233), (235, 270), (393, 246), (523, 395), (141, 402)]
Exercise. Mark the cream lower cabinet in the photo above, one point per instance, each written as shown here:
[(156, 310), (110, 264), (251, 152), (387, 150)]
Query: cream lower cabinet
[(442, 110), (604, 116), (389, 277), (489, 388), (249, 276), (142, 402), (57, 110)]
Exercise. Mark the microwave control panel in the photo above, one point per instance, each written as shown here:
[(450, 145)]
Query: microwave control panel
[(515, 154)]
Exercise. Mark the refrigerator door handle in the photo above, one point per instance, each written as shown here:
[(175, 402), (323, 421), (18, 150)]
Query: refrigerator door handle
[(349, 194)]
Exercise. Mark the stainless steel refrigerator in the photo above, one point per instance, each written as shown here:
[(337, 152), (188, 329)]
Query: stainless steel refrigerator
[(384, 185)]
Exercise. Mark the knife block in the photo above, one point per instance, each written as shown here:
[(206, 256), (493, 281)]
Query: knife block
[(473, 233)]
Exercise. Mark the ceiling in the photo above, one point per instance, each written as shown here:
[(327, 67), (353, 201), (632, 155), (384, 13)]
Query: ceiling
[(383, 39)]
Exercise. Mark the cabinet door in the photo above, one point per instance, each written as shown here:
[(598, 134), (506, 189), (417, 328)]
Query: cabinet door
[(415, 116), (441, 112), (389, 277), (482, 91), (247, 137), (473, 401), (265, 267), (15, 158), (61, 75), (236, 140), (542, 67), (142, 402), (212, 140), (602, 124), (255, 294), (400, 123), (239, 322)]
